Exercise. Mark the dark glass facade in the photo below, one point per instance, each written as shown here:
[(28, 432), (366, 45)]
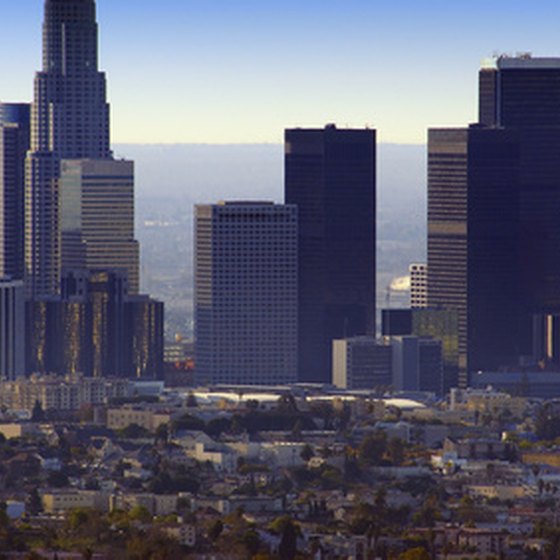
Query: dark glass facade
[(96, 329), (396, 322), (14, 143), (442, 325), (473, 241), (330, 176), (493, 207)]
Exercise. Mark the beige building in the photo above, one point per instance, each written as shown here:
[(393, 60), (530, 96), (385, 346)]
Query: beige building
[(60, 501), (487, 401), (156, 504), (122, 417), (10, 431), (185, 534), (61, 393)]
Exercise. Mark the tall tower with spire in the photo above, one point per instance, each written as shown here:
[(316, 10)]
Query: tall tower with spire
[(70, 121)]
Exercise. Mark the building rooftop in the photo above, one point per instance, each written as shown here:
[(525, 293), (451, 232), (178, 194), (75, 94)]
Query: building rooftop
[(521, 61)]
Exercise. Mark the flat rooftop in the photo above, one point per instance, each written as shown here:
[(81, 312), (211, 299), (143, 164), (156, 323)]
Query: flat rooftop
[(523, 61)]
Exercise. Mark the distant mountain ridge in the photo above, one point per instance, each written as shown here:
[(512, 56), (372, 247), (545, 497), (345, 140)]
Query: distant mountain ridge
[(171, 178), (200, 173)]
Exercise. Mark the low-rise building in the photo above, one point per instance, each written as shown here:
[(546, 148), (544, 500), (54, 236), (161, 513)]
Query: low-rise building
[(59, 501), (184, 534), (156, 504), (122, 417), (60, 393)]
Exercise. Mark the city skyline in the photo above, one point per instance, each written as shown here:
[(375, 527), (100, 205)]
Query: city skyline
[(353, 63)]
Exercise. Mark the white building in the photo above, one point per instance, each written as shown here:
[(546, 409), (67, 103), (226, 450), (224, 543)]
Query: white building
[(246, 293), (418, 285)]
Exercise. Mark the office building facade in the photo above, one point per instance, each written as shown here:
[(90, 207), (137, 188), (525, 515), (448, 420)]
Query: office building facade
[(97, 217), (440, 324), (330, 176), (246, 293), (12, 329), (493, 203), (362, 363), (473, 241), (14, 143), (70, 121), (95, 328), (417, 364)]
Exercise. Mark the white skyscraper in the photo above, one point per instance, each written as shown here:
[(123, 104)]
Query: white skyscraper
[(246, 293)]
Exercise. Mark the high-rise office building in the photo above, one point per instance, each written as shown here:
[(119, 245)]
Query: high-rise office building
[(246, 293), (493, 206), (330, 176), (97, 217), (418, 285), (69, 121), (473, 241), (95, 328), (14, 143), (12, 329)]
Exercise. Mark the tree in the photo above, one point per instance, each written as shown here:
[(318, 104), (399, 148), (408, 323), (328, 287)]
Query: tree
[(188, 422), (417, 553), (296, 429), (252, 542), (395, 450), (134, 431), (373, 448), (215, 530), (307, 452), (58, 479), (37, 414), (153, 546), (428, 513), (547, 423), (141, 514), (85, 414), (162, 434), (33, 502), (288, 544)]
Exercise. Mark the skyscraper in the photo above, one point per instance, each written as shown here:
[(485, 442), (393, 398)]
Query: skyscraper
[(95, 328), (69, 121), (97, 217), (246, 293), (12, 329), (330, 176), (493, 207), (14, 143)]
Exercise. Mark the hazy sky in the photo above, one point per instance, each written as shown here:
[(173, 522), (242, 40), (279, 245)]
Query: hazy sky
[(243, 70)]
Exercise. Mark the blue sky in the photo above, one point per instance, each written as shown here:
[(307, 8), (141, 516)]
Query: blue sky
[(228, 71)]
